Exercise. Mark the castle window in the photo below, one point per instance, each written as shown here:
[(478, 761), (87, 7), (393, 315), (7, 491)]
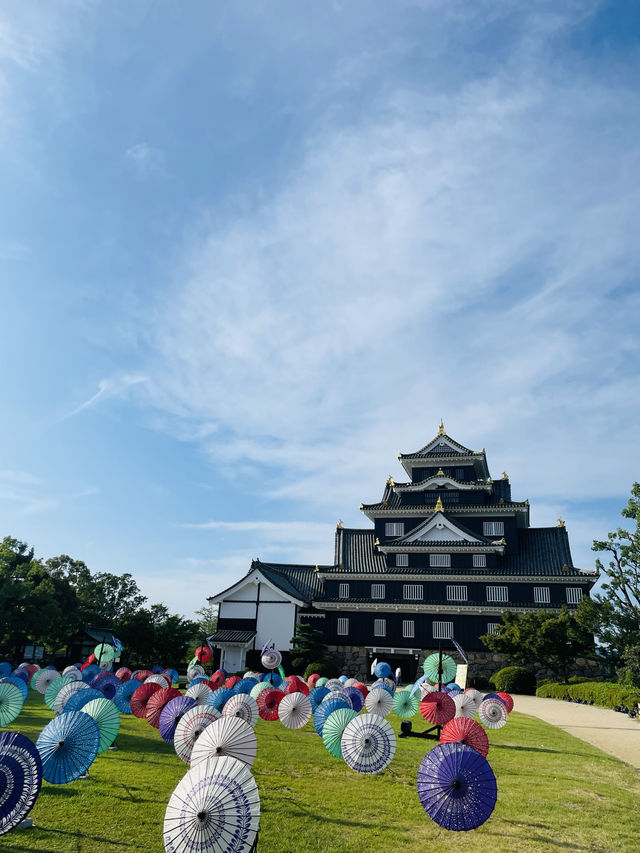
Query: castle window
[(574, 594), (408, 629), (412, 592), (440, 561), (343, 590), (402, 559), (343, 627), (394, 528), (492, 627), (541, 595), (479, 561), (493, 528), (377, 590), (459, 473), (442, 630), (497, 593), (379, 627), (456, 593)]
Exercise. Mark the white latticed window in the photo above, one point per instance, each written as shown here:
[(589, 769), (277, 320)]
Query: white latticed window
[(492, 627), (479, 561), (440, 561), (377, 590), (402, 559), (493, 528), (541, 595), (379, 627), (408, 629), (412, 591), (343, 591), (574, 594), (442, 630), (343, 627), (456, 593), (394, 528), (497, 593)]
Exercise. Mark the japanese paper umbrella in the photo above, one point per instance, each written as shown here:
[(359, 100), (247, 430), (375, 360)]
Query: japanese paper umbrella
[(158, 678), (11, 703), (464, 730), (190, 727), (368, 743), (141, 674), (456, 786), (199, 692), (316, 695), (215, 808), (226, 736), (140, 697), (334, 726), (508, 701), (19, 683), (493, 713), (243, 706), (72, 671), (122, 699), (44, 678), (171, 715), (5, 668), (20, 779), (79, 699), (107, 716), (66, 693), (294, 710), (405, 705), (379, 701), (476, 695), (438, 708), (124, 673), (430, 667), (465, 705), (107, 684), (324, 709), (52, 690), (268, 701), (218, 697), (68, 746), (157, 702), (355, 697)]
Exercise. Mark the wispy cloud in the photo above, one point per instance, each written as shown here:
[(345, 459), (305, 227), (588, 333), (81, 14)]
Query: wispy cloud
[(114, 386), (146, 160)]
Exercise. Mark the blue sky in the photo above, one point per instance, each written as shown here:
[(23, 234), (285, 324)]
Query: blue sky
[(249, 252)]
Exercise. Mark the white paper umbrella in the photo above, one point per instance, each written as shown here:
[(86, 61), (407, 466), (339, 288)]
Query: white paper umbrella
[(215, 808), (368, 743), (227, 736), (68, 690), (44, 678), (475, 695), (242, 706), (156, 679), (465, 705), (427, 688), (190, 727), (349, 682), (334, 684), (379, 702), (199, 692), (294, 710), (195, 671), (492, 714), (72, 672)]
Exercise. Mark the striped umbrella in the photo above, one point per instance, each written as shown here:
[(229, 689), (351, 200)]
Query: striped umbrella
[(294, 710), (508, 701), (438, 708), (465, 705), (333, 728), (199, 693), (334, 684), (140, 698), (158, 678), (107, 684), (379, 701), (122, 699), (19, 683), (405, 705), (20, 779), (355, 697), (268, 701), (476, 695), (243, 706), (72, 672), (171, 715), (226, 736), (66, 693), (44, 678), (368, 743), (464, 730), (190, 727), (79, 699), (11, 703), (493, 713), (157, 702), (68, 746), (107, 717), (54, 688)]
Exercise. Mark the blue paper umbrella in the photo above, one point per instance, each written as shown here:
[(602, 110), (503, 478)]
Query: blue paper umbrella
[(68, 746), (123, 695), (355, 696), (20, 683), (218, 697), (78, 700), (107, 684), (173, 674), (90, 673), (171, 715), (324, 709), (5, 668), (317, 695), (20, 778), (245, 685), (157, 669), (456, 786)]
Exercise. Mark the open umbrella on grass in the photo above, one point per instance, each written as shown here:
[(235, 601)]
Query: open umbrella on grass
[(140, 698), (268, 701), (379, 701), (107, 684), (226, 736), (368, 743), (107, 716), (122, 699), (59, 704), (493, 713), (157, 702), (243, 706), (334, 726), (19, 683), (79, 699), (44, 678), (405, 705), (171, 715), (294, 710), (199, 692), (53, 689), (438, 708), (324, 709), (355, 697), (20, 779), (67, 746), (464, 730), (11, 703), (190, 727), (465, 705), (218, 698)]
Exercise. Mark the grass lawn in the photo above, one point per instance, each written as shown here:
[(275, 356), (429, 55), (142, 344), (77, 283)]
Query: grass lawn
[(554, 793)]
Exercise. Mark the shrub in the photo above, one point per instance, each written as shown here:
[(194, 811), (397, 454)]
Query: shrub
[(606, 694), (577, 679), (324, 668), (514, 679)]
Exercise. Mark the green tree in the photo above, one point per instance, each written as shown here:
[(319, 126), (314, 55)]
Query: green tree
[(306, 646), (154, 635), (207, 621)]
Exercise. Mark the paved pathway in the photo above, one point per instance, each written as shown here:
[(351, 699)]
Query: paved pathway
[(614, 733)]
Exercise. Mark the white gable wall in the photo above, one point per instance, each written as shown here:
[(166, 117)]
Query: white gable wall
[(276, 622)]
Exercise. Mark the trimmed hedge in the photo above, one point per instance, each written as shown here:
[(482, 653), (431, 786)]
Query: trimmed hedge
[(514, 679), (323, 668), (606, 694)]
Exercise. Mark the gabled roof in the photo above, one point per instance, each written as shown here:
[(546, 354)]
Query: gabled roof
[(435, 529), (230, 636), (543, 551), (441, 445), (356, 552), (299, 581)]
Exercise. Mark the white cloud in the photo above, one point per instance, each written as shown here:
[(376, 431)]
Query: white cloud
[(114, 386), (146, 160)]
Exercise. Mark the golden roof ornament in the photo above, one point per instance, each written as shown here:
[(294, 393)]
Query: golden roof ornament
[(505, 476), (377, 542), (339, 525), (438, 507), (317, 568), (440, 473), (361, 505), (560, 522), (390, 481), (501, 502), (385, 503), (565, 568), (441, 428)]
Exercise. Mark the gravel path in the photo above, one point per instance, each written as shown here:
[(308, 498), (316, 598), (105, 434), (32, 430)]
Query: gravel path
[(614, 733)]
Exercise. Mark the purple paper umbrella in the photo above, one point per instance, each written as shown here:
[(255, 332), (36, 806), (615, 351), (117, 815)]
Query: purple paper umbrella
[(456, 786), (171, 715)]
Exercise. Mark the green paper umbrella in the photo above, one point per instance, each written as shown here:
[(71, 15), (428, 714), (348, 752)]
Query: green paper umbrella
[(430, 667), (405, 705), (107, 716), (321, 682), (258, 688), (54, 688), (334, 725), (11, 702), (104, 652)]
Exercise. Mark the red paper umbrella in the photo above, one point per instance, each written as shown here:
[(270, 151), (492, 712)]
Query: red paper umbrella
[(141, 674), (508, 701), (296, 685), (203, 654), (311, 681), (141, 696), (233, 679), (157, 703), (218, 679), (123, 674), (464, 730), (268, 701), (438, 708), (362, 688)]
